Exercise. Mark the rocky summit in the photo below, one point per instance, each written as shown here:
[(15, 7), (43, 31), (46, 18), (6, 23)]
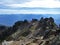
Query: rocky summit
[(35, 32)]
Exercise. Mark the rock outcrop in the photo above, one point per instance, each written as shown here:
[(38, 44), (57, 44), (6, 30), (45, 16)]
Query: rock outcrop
[(35, 32)]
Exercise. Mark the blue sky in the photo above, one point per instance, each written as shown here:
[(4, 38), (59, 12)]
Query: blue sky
[(29, 6)]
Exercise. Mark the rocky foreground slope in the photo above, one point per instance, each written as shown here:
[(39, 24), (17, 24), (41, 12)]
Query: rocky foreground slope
[(35, 32)]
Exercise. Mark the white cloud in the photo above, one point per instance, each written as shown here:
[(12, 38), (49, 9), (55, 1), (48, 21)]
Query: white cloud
[(31, 3), (13, 8), (38, 3), (10, 11)]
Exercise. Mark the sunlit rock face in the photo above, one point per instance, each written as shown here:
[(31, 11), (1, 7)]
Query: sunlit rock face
[(33, 44)]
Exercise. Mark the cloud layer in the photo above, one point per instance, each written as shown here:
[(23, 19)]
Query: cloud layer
[(29, 7), (35, 3)]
